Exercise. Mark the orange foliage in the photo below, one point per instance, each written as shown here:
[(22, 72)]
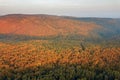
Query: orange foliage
[(16, 56), (44, 25)]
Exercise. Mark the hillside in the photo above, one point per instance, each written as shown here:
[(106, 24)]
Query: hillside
[(49, 25), (111, 26), (44, 25)]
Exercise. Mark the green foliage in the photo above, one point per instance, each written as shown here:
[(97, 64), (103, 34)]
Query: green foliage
[(61, 72)]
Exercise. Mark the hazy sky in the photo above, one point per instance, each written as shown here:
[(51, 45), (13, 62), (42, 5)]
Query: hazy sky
[(81, 8)]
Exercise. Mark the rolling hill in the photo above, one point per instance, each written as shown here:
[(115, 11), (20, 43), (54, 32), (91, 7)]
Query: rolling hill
[(110, 26), (44, 25), (24, 26)]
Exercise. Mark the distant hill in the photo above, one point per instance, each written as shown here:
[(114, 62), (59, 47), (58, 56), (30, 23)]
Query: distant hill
[(44, 25), (49, 25), (110, 26)]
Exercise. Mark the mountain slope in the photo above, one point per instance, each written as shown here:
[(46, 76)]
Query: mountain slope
[(111, 26), (44, 25)]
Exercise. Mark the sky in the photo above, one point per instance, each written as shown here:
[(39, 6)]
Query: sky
[(77, 8)]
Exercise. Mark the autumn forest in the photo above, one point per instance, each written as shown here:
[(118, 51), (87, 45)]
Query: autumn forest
[(45, 47)]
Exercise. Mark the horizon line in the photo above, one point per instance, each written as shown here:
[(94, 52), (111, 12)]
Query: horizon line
[(59, 15)]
